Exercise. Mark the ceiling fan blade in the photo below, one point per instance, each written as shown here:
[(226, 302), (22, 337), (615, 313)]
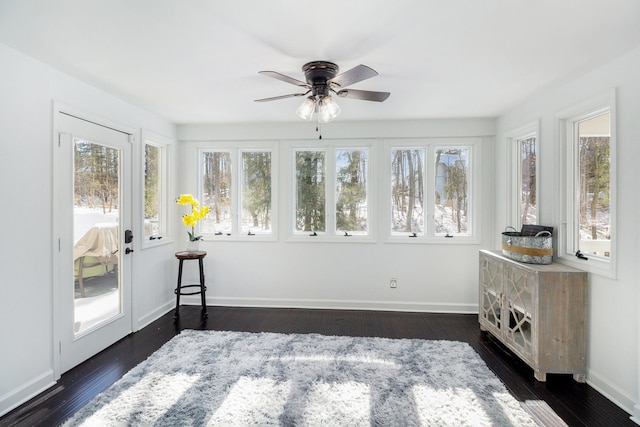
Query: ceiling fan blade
[(354, 75), (274, 98), (366, 95), (284, 78)]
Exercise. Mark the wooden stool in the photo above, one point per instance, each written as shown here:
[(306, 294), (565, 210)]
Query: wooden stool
[(199, 255)]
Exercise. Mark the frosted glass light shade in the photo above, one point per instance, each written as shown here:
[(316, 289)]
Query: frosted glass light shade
[(306, 109), (328, 109)]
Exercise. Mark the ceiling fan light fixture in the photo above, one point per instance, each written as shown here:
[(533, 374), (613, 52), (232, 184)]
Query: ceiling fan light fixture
[(322, 78), (328, 109), (307, 108)]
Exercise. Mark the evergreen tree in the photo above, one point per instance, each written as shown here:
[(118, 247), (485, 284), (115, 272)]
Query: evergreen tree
[(310, 185), (256, 188), (351, 190)]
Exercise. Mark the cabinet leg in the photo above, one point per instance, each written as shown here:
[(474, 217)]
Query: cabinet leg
[(581, 378), (540, 376)]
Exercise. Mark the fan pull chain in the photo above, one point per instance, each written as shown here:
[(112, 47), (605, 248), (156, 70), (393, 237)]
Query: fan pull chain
[(319, 130)]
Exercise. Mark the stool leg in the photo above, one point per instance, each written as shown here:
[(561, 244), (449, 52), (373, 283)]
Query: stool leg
[(176, 314), (203, 289)]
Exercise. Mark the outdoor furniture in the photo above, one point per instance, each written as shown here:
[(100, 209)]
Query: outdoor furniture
[(98, 246)]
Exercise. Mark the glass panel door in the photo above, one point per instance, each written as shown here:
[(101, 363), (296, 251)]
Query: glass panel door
[(93, 244), (96, 207)]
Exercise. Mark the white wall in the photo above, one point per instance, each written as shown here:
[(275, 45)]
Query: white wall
[(28, 90), (613, 307), (431, 277)]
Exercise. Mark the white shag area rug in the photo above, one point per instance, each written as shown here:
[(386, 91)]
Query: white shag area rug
[(202, 378)]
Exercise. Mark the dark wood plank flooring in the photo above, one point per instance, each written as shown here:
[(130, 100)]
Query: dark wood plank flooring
[(577, 404)]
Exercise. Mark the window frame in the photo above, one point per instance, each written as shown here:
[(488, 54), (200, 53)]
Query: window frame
[(331, 233), (236, 149), (164, 222), (430, 145), (568, 203), (514, 171)]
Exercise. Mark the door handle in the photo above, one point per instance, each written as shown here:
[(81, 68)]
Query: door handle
[(128, 250)]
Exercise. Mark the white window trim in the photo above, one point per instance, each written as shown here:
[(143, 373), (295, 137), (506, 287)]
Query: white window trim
[(514, 172), (430, 144), (164, 236), (236, 148), (566, 198), (330, 234)]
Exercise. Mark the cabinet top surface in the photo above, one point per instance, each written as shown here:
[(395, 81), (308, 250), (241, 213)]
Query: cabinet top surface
[(554, 267)]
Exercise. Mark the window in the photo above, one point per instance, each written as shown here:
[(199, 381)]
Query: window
[(216, 192), (407, 190), (310, 191), (592, 216), (523, 178), (527, 182), (452, 191), (152, 189), (435, 201), (256, 192), (155, 191), (588, 228), (352, 172), (237, 186), (332, 191)]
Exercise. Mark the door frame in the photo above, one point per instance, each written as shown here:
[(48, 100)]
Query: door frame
[(57, 200)]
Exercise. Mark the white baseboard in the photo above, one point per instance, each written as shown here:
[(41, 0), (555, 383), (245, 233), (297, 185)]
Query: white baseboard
[(337, 304), (636, 414), (155, 314), (613, 393), (16, 397)]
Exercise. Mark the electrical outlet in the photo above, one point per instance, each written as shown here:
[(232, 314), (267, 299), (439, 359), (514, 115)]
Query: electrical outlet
[(393, 283)]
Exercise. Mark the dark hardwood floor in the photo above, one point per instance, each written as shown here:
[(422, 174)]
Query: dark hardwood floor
[(577, 404)]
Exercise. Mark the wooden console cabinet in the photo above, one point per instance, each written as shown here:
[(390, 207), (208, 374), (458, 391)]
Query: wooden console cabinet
[(538, 311)]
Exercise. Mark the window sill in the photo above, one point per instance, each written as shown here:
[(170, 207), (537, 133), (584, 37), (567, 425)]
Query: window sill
[(147, 243), (320, 238), (592, 265), (239, 238), (437, 240)]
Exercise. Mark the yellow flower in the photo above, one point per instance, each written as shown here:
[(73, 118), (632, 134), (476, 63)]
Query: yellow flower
[(200, 213), (197, 214), (185, 199), (189, 220)]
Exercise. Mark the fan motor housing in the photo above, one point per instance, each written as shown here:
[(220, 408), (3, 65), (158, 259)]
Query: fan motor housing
[(317, 74)]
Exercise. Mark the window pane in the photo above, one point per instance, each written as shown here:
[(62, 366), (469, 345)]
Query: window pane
[(216, 191), (528, 179), (352, 171), (256, 192), (407, 190), (310, 191), (593, 185), (451, 196), (151, 190), (96, 219)]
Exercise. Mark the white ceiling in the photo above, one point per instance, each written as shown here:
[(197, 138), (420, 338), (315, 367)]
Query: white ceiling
[(195, 61)]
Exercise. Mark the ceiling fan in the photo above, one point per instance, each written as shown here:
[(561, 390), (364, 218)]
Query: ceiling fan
[(322, 79)]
